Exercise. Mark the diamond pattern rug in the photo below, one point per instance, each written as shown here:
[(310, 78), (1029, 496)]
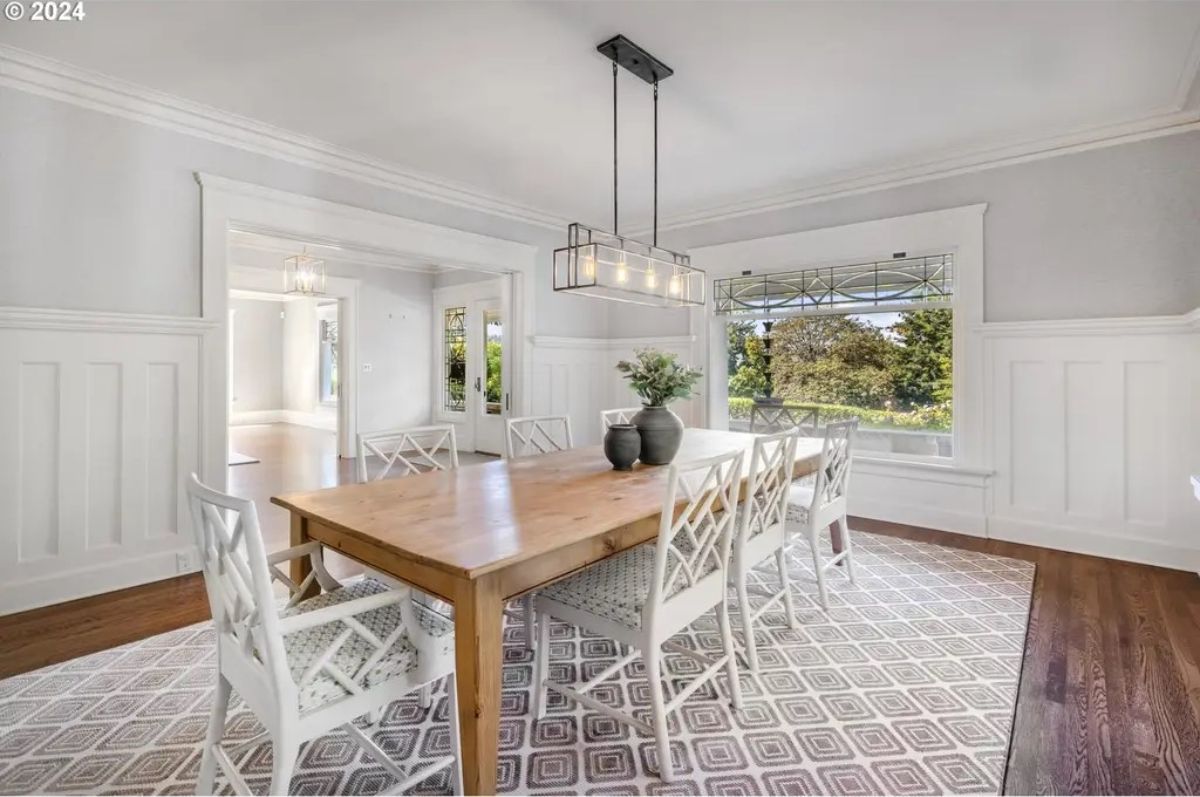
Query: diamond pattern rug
[(906, 686)]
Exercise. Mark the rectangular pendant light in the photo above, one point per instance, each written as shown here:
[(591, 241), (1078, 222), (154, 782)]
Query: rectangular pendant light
[(597, 263), (607, 265)]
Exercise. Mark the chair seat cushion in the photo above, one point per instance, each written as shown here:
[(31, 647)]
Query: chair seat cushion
[(306, 646), (618, 587)]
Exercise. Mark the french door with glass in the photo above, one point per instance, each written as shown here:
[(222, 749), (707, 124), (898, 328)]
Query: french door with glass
[(474, 373)]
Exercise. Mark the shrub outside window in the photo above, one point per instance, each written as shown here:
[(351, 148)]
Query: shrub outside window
[(873, 341)]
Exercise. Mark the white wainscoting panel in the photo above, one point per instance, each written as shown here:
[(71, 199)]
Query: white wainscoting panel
[(1094, 433), (102, 427), (932, 496), (578, 377)]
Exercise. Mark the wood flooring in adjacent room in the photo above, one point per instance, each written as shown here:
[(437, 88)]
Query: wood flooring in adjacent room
[(1109, 700)]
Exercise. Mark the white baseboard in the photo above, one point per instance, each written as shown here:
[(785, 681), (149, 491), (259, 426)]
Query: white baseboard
[(1094, 543), (95, 580), (929, 517), (313, 420), (254, 417)]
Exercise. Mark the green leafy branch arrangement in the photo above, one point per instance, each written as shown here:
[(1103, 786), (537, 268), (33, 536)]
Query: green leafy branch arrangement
[(658, 377)]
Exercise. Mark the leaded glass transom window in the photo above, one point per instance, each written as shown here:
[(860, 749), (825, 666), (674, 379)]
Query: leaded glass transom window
[(861, 286), (454, 345)]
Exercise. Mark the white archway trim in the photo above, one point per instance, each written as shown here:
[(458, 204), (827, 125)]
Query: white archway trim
[(234, 205)]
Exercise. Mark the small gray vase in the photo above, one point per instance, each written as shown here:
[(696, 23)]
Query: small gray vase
[(662, 434), (622, 444)]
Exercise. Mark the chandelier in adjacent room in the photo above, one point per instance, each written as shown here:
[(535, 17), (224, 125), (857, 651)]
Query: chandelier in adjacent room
[(303, 274)]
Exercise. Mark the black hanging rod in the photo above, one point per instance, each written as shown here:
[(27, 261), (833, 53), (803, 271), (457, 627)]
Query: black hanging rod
[(635, 59)]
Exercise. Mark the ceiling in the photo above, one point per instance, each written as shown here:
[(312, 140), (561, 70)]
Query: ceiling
[(513, 101)]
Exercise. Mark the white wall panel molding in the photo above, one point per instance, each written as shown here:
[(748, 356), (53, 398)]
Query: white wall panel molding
[(103, 424), (578, 377), (1147, 325), (46, 77), (1094, 432), (934, 496), (91, 321)]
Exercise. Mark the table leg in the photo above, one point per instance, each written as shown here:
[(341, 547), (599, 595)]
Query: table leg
[(478, 613), (301, 566), (835, 536)]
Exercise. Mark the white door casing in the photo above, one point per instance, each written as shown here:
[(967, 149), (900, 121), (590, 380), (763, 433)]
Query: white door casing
[(489, 416)]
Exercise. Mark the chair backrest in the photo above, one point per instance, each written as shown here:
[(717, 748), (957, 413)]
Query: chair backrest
[(413, 450), (779, 417), (833, 474), (696, 531), (609, 417), (238, 582), (768, 482), (540, 434)]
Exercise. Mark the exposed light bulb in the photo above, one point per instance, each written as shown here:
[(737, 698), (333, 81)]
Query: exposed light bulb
[(589, 267), (675, 285), (651, 278), (622, 272)]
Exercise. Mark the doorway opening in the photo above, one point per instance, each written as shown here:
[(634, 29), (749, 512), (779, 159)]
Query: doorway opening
[(473, 350)]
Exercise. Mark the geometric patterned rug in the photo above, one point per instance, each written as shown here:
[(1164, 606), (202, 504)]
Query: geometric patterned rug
[(906, 686)]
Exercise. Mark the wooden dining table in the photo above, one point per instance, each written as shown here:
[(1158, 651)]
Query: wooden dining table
[(481, 535)]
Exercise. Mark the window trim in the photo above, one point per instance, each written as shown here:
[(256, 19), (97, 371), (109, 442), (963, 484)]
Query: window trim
[(957, 231), (890, 309)]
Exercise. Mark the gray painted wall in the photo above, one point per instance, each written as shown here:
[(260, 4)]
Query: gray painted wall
[(1104, 233), (101, 213)]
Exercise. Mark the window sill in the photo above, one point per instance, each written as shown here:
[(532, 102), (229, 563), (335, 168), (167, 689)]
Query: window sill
[(923, 470)]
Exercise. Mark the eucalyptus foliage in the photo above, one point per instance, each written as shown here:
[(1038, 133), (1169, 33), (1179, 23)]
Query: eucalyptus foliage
[(658, 377)]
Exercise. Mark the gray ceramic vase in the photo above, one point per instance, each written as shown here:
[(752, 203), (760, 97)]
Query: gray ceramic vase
[(662, 434), (622, 445)]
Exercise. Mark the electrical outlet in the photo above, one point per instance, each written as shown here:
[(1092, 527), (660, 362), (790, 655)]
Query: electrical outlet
[(183, 562), (366, 368)]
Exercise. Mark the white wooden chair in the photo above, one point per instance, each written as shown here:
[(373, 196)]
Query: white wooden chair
[(542, 434), (647, 594), (413, 450), (762, 533), (312, 665), (822, 503), (529, 436), (609, 417)]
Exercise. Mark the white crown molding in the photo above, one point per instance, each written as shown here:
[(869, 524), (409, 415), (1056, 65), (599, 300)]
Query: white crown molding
[(93, 321), (1139, 325), (609, 344), (47, 77), (50, 78), (964, 162)]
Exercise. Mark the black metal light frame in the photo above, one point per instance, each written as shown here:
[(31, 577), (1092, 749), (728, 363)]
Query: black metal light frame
[(584, 241)]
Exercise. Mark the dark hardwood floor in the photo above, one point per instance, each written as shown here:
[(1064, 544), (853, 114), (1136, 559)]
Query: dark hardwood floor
[(1109, 700)]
